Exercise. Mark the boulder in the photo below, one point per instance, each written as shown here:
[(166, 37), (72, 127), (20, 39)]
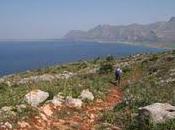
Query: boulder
[(73, 102), (86, 94), (157, 112), (35, 97)]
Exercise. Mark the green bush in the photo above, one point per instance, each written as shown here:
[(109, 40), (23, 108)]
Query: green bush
[(110, 58), (126, 69), (109, 117), (154, 58), (105, 68)]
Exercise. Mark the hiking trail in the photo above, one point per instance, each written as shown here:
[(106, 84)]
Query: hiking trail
[(79, 119)]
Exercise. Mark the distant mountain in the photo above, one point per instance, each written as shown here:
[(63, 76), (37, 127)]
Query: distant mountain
[(159, 33)]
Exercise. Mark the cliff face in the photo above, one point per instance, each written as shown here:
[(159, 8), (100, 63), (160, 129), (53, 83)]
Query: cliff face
[(156, 32)]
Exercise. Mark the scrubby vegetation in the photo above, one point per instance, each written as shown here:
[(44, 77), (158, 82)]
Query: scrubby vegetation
[(147, 78), (155, 85), (12, 93)]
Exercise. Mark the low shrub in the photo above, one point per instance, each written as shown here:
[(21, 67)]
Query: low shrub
[(154, 58), (110, 58), (105, 68)]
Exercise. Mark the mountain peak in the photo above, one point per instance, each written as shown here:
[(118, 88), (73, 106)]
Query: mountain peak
[(155, 32), (172, 19)]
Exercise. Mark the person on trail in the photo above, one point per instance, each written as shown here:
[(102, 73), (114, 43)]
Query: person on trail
[(118, 74)]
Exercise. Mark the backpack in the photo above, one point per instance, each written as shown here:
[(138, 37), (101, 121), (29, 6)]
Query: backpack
[(118, 72)]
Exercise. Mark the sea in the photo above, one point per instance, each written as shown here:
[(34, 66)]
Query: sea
[(20, 56)]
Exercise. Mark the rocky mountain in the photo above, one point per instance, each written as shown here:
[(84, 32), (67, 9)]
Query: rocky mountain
[(159, 32)]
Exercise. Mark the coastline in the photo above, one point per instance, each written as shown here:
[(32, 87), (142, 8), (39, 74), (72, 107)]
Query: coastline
[(158, 45), (72, 63), (87, 52), (144, 44)]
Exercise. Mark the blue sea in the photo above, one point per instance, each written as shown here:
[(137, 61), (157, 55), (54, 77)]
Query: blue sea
[(19, 56)]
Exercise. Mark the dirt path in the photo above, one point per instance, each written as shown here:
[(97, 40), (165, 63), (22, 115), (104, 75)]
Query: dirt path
[(84, 118), (114, 97)]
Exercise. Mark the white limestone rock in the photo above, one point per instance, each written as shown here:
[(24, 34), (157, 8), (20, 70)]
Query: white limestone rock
[(86, 94), (35, 97), (157, 112), (57, 100)]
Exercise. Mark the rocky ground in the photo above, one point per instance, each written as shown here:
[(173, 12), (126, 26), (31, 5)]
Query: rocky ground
[(84, 96)]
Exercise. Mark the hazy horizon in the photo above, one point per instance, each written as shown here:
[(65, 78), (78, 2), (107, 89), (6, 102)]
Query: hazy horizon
[(42, 19)]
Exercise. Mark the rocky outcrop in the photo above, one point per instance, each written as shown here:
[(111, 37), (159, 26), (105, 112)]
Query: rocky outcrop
[(35, 97), (157, 112), (86, 94), (46, 77), (34, 79)]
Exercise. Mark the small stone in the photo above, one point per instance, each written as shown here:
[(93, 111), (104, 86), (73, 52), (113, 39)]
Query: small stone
[(6, 108), (8, 125), (57, 100), (43, 116), (86, 94), (73, 102), (47, 109), (21, 107), (23, 124)]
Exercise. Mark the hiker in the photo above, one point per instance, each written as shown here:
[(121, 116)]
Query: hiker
[(118, 74)]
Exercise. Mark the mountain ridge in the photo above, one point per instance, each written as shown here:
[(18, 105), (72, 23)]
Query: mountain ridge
[(158, 33)]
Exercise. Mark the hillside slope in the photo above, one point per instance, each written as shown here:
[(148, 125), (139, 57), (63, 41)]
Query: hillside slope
[(147, 79)]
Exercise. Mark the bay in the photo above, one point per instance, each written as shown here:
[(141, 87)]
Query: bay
[(19, 56)]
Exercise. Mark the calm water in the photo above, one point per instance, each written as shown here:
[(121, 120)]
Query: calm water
[(21, 56)]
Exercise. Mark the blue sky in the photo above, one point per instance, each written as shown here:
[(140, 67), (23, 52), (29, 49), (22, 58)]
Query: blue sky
[(43, 19)]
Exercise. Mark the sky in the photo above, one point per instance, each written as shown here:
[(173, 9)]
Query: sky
[(51, 19)]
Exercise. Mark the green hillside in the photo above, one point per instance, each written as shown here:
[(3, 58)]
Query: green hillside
[(147, 79)]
